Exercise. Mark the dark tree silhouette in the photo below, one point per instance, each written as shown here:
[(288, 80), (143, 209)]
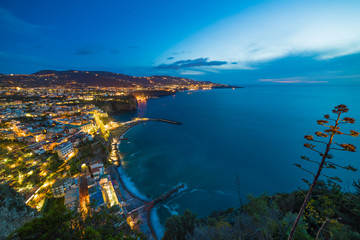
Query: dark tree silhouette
[(326, 157)]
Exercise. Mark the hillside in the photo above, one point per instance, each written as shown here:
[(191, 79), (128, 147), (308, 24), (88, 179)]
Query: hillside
[(13, 210), (73, 78)]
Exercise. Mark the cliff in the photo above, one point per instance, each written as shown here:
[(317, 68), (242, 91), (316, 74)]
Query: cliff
[(13, 210), (127, 103)]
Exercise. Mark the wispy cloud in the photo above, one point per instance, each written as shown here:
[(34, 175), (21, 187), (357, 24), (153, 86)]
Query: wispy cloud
[(321, 77), (291, 80), (190, 63), (319, 29), (191, 72), (11, 23)]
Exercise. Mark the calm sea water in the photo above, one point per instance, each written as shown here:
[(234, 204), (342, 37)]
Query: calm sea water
[(256, 133)]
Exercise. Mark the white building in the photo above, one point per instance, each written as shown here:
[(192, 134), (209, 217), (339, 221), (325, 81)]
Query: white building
[(97, 169), (64, 150)]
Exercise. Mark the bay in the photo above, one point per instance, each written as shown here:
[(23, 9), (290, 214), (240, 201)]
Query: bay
[(255, 133)]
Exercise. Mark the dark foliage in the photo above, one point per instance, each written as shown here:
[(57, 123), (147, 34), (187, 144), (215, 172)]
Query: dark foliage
[(271, 217)]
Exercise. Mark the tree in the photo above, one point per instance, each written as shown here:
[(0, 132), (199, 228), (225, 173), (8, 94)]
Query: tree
[(61, 223), (326, 157), (178, 227)]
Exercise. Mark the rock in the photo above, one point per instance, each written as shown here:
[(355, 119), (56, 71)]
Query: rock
[(14, 213), (127, 103)]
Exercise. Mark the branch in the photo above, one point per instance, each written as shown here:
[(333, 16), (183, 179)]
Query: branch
[(315, 150), (319, 141), (302, 191), (338, 149), (349, 167), (299, 166), (308, 159), (307, 182), (327, 165), (337, 165), (332, 178), (336, 144)]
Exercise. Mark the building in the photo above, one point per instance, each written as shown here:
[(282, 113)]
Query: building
[(87, 127), (97, 169), (71, 183), (108, 190), (58, 188), (7, 135), (64, 150), (61, 186), (72, 198), (96, 197)]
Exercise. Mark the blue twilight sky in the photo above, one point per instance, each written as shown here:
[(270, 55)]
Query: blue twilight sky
[(231, 41)]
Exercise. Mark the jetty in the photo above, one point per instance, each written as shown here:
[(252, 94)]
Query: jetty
[(164, 196), (165, 121), (120, 129)]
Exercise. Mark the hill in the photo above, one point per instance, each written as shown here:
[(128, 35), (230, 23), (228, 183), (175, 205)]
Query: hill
[(73, 78)]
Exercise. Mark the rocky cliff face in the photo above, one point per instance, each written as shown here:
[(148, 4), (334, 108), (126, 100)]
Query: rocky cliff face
[(113, 106), (13, 211)]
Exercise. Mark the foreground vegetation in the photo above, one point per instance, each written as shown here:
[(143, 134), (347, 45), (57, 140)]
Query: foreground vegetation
[(13, 210), (330, 214), (61, 223)]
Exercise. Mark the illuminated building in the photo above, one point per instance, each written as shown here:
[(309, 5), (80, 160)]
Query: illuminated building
[(64, 150)]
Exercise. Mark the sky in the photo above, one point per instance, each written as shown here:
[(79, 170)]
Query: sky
[(233, 41)]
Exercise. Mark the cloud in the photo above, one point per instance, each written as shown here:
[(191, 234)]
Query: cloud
[(199, 62), (291, 80), (320, 77), (191, 72), (274, 30), (11, 23)]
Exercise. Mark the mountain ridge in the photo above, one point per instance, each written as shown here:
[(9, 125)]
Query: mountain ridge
[(76, 78)]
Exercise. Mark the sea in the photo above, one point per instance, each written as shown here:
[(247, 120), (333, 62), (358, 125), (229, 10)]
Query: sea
[(232, 143)]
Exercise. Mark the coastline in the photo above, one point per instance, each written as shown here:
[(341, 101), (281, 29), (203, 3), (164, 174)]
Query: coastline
[(133, 200), (148, 218)]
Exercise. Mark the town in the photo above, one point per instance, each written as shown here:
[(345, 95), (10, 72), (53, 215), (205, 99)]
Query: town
[(60, 146)]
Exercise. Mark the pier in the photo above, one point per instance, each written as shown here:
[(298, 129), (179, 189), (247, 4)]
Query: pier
[(163, 197), (166, 121), (120, 129)]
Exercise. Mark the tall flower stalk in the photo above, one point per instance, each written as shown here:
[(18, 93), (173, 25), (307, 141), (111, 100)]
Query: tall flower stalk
[(326, 157)]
